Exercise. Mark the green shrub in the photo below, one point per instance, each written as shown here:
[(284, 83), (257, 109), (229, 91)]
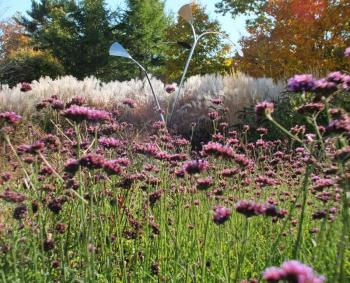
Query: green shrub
[(26, 65)]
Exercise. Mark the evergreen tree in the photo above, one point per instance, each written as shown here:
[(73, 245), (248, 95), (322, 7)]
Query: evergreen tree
[(77, 34), (211, 54), (142, 32)]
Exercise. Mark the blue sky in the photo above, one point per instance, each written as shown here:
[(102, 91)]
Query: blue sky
[(235, 28)]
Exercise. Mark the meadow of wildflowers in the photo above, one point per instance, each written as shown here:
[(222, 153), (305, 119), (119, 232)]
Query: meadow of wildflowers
[(87, 198)]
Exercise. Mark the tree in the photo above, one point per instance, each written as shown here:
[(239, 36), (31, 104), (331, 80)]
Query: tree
[(142, 31), (26, 65), (295, 36), (12, 38), (78, 35), (211, 54)]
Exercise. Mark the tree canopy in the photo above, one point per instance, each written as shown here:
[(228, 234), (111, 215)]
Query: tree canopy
[(293, 36)]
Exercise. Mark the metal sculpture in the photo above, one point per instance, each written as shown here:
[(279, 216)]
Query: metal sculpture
[(186, 13), (117, 50)]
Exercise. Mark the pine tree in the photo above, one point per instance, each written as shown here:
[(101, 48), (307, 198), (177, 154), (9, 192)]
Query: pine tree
[(142, 32), (77, 34)]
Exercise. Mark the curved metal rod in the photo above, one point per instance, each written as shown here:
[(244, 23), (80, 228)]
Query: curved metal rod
[(196, 40), (154, 95)]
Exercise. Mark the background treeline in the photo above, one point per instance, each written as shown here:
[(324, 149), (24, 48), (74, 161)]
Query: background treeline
[(68, 37)]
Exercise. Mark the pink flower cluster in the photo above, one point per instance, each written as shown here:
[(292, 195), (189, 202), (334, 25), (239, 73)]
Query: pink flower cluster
[(110, 142), (250, 208), (292, 271), (195, 166), (25, 87), (264, 108), (347, 52), (170, 88), (95, 161), (129, 102), (221, 214), (213, 148), (10, 117), (298, 83), (80, 113)]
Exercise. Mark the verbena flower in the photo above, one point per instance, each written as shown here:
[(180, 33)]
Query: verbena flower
[(324, 86), (264, 108), (195, 166), (249, 208), (335, 77), (79, 114), (11, 196), (10, 118), (110, 142), (311, 108), (204, 183), (221, 214), (25, 87), (213, 148), (299, 83), (347, 52), (129, 102), (170, 88), (92, 161)]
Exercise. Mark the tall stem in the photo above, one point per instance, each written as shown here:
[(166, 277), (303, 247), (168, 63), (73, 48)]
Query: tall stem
[(302, 214)]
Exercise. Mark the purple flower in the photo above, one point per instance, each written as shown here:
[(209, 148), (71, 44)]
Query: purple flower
[(347, 52), (293, 272), (298, 83), (110, 142), (346, 83), (335, 77), (213, 115), (79, 114), (10, 117), (311, 108), (170, 88), (273, 274), (195, 166), (218, 150), (92, 161), (71, 166), (11, 196), (25, 87), (249, 208), (77, 100), (221, 214), (216, 101), (324, 86), (264, 108), (129, 102), (112, 167), (204, 183)]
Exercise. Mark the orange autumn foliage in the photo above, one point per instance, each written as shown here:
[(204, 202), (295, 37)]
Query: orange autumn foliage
[(297, 36), (12, 38)]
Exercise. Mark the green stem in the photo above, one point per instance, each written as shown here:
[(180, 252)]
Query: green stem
[(298, 241)]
